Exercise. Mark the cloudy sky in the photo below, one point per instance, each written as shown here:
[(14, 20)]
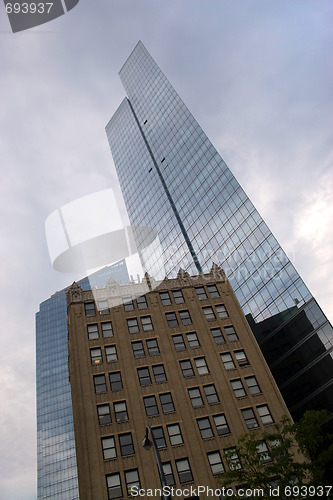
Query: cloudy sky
[(257, 75)]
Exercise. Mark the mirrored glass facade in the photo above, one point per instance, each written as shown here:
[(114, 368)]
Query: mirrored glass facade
[(174, 181), (56, 457)]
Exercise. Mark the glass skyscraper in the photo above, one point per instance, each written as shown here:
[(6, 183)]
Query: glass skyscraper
[(56, 456), (174, 181)]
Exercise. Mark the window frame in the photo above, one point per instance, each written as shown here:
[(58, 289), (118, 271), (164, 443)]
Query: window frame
[(106, 449), (104, 416), (172, 323), (165, 404), (192, 398), (136, 350), (91, 333), (175, 435), (146, 323), (89, 309), (151, 348), (123, 446), (166, 300), (111, 357), (222, 428), (99, 376), (201, 293), (159, 377), (217, 335), (122, 414), (134, 327), (184, 472), (117, 382), (178, 296), (201, 365), (221, 311), (147, 407), (212, 394), (185, 317), (144, 376), (104, 329), (205, 428), (214, 464)]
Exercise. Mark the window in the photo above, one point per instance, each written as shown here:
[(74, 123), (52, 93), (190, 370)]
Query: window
[(265, 414), (178, 342), (92, 332), (115, 381), (133, 326), (185, 317), (126, 444), (132, 479), (104, 414), (152, 347), (195, 397), (146, 323), (213, 291), (205, 428), (99, 383), (141, 302), (221, 424), (138, 350), (186, 367), (159, 437), (128, 304), (171, 319), (159, 373), (109, 448), (150, 405), (230, 332), (120, 410), (184, 470), (175, 434), (249, 417), (233, 458), (166, 402), (114, 486), (192, 340), (209, 313), (103, 306), (227, 361), (217, 335), (211, 394), (201, 293), (215, 462), (89, 308), (96, 356), (241, 358), (262, 450), (107, 329), (168, 473), (144, 376), (238, 388), (201, 365), (178, 296), (252, 385), (111, 353), (165, 298), (221, 311)]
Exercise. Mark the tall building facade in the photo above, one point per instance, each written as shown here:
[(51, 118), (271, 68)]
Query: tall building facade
[(174, 181), (56, 457), (178, 356)]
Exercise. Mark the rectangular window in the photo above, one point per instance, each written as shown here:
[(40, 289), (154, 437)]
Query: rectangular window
[(146, 323), (152, 347), (178, 296), (241, 358), (115, 381), (165, 298), (185, 317), (178, 342), (233, 458), (141, 302), (215, 462), (217, 335), (171, 319), (262, 450), (184, 470), (169, 477), (221, 424), (99, 383), (249, 418), (195, 397), (89, 308), (104, 414), (120, 410), (213, 291), (138, 349), (209, 313), (252, 385), (159, 437), (205, 428), (227, 361), (265, 414), (201, 293), (186, 367), (128, 304), (201, 365), (192, 340), (238, 388), (96, 356), (159, 373), (133, 326), (114, 486), (230, 332), (92, 332), (211, 394), (132, 479), (144, 376), (167, 403), (150, 405), (103, 306), (221, 311), (107, 329), (126, 444), (175, 434), (111, 353), (109, 448)]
